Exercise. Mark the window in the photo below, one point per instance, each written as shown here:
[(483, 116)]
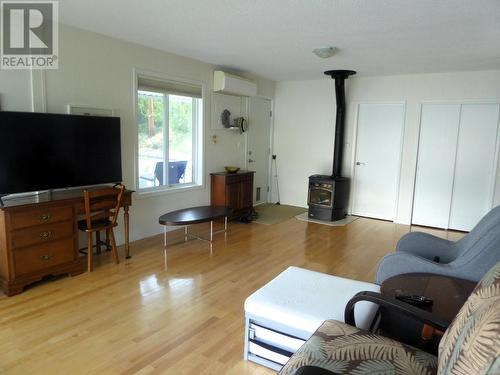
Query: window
[(169, 120)]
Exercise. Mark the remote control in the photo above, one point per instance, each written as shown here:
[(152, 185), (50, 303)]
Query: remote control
[(416, 300)]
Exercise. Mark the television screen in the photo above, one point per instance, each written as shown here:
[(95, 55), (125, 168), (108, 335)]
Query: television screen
[(41, 151)]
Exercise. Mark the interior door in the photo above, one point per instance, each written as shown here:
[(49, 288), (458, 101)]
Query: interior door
[(377, 160), (457, 163), (475, 168), (435, 165), (259, 127)]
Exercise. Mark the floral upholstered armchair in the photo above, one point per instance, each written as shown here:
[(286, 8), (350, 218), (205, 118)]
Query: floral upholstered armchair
[(470, 345)]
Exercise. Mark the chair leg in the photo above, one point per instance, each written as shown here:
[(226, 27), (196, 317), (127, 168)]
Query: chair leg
[(108, 244), (113, 246), (98, 242), (90, 251)]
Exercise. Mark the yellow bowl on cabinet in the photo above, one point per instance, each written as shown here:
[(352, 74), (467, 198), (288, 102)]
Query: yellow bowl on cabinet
[(232, 169)]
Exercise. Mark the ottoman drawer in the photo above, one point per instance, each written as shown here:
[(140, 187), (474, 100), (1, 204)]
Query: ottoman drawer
[(274, 338), (268, 353)]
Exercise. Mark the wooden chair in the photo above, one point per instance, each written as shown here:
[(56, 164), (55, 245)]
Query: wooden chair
[(99, 217)]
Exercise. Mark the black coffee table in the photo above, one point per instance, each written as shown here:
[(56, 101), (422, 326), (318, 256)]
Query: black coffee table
[(195, 215)]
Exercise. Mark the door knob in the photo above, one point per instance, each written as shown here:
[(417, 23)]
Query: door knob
[(360, 163), (251, 161)]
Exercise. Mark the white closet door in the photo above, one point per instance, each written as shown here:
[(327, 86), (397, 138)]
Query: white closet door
[(435, 166), (475, 168), (378, 159)]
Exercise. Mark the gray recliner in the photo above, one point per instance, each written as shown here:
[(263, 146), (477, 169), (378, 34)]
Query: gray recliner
[(470, 258)]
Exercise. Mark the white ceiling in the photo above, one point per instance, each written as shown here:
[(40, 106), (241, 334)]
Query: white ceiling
[(274, 38)]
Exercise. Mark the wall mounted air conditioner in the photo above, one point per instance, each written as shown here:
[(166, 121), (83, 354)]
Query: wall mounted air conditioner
[(231, 84)]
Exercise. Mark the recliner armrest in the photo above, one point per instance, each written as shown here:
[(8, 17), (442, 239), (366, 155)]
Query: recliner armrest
[(394, 305), (427, 246)]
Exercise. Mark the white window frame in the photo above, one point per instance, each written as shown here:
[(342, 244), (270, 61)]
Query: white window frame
[(199, 120)]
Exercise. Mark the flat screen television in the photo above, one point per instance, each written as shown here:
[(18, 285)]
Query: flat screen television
[(43, 151)]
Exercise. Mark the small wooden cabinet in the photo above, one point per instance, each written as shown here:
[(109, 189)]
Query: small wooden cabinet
[(234, 190)]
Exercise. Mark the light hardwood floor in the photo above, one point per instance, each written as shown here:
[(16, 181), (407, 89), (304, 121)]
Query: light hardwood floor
[(179, 313)]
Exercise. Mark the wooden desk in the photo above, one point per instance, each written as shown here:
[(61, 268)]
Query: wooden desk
[(39, 237)]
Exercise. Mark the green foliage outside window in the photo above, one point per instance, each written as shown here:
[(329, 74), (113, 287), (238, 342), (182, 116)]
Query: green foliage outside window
[(180, 121)]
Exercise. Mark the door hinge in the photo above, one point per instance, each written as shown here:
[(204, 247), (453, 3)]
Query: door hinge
[(268, 189), (270, 113)]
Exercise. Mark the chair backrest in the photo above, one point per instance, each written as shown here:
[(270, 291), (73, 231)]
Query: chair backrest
[(471, 344), (176, 170), (97, 203), (486, 232)]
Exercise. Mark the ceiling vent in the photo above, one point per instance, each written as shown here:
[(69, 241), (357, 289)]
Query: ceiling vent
[(230, 84)]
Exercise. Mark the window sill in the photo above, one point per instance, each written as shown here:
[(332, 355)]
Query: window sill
[(151, 193)]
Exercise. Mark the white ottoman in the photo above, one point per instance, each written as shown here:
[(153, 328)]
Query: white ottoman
[(286, 311)]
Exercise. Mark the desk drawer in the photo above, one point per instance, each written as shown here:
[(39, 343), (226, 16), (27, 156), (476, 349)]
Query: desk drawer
[(24, 219), (104, 204), (40, 257), (42, 234)]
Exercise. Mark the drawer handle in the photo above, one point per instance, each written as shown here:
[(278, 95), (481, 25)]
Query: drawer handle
[(46, 258), (46, 235), (44, 218)]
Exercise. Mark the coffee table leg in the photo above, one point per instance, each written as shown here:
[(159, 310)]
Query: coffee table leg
[(211, 231), (185, 233), (165, 236)]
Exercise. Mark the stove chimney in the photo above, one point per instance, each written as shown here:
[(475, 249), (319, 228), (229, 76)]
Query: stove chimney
[(328, 196), (339, 76)]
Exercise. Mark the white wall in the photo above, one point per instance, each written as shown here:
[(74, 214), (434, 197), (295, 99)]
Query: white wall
[(15, 90), (305, 117), (96, 70)]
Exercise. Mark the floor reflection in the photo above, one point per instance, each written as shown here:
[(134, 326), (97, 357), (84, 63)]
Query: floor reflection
[(175, 283), (149, 285)]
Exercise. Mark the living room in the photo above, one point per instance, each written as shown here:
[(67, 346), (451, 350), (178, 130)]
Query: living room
[(175, 305)]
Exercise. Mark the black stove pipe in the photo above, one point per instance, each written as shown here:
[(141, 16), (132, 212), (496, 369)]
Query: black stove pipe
[(339, 76)]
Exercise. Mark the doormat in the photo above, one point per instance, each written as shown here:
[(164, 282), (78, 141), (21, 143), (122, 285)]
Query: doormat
[(269, 214), (339, 223)]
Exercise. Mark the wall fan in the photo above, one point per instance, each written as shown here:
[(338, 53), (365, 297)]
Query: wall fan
[(241, 124)]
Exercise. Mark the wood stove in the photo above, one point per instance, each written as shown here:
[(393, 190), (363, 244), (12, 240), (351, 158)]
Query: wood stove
[(328, 196)]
